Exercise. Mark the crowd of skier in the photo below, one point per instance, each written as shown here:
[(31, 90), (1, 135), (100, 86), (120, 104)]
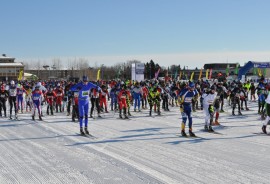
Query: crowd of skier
[(125, 96)]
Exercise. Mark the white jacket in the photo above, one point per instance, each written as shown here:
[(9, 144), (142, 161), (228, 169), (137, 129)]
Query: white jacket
[(209, 99)]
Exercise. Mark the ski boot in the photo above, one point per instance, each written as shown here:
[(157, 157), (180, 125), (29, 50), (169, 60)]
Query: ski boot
[(86, 131), (210, 129), (81, 131), (206, 128), (216, 123), (120, 116), (191, 134), (126, 117), (264, 129), (183, 133)]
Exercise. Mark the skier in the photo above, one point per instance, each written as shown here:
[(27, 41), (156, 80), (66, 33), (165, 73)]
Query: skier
[(50, 96), (244, 97), (267, 109), (165, 97), (154, 98), (235, 95), (12, 98), (122, 99), (102, 97), (59, 97), (28, 98), (137, 93), (3, 99), (185, 101), (208, 106), (252, 92), (20, 101), (75, 105), (221, 92), (94, 97), (84, 88), (144, 96), (69, 97), (37, 97), (113, 96)]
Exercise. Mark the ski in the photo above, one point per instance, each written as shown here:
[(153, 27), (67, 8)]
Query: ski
[(188, 136), (124, 118), (214, 132), (261, 133), (86, 135)]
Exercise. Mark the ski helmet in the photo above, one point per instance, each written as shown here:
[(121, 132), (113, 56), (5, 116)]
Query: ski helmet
[(191, 85), (85, 79), (213, 87)]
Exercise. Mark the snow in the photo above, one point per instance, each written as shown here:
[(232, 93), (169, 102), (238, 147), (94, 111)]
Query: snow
[(140, 150)]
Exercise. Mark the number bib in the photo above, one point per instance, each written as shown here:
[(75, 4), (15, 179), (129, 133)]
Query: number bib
[(35, 98), (188, 99), (85, 93), (12, 92)]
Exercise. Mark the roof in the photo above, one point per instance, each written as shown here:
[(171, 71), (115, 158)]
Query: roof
[(11, 64), (1, 57)]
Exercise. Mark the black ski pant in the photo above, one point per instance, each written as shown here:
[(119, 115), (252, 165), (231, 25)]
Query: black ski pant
[(13, 102), (94, 102), (3, 106)]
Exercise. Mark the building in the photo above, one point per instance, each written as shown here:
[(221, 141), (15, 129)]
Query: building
[(63, 74), (9, 70)]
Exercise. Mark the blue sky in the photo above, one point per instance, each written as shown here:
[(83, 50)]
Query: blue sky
[(185, 32)]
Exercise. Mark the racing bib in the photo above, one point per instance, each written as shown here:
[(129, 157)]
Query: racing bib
[(12, 92), (35, 98), (188, 99), (85, 93)]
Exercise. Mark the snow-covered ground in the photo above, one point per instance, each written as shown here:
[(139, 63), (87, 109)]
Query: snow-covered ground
[(140, 150)]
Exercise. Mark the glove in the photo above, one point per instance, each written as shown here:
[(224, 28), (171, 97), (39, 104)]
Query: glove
[(211, 109), (181, 108)]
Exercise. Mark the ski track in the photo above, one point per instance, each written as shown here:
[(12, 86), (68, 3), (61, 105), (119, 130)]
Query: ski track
[(144, 150)]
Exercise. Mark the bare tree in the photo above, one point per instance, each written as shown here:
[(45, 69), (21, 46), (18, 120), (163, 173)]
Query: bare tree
[(57, 63), (83, 64), (26, 65)]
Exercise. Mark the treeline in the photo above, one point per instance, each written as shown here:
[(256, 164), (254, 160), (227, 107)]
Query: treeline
[(116, 71)]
